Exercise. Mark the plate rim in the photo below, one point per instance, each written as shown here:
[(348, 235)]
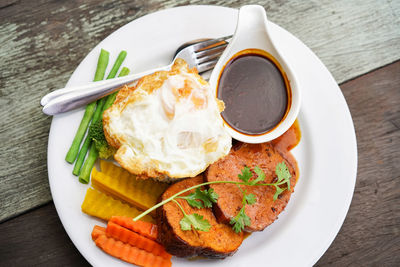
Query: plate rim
[(345, 209)]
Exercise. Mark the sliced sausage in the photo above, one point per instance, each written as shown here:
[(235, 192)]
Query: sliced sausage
[(219, 242), (265, 210)]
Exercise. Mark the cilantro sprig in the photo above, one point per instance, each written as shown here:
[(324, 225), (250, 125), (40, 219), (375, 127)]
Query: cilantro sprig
[(201, 198), (283, 174), (241, 220), (205, 198), (246, 175), (193, 220)]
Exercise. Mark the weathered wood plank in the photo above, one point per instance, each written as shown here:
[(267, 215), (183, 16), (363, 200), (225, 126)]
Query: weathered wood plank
[(370, 233), (38, 239), (41, 43)]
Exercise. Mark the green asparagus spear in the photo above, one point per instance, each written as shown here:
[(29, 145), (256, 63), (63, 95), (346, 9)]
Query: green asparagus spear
[(89, 111), (97, 114), (89, 163), (118, 62), (93, 153), (111, 98)]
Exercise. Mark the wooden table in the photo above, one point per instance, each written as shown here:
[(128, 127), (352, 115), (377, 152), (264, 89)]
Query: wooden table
[(42, 42)]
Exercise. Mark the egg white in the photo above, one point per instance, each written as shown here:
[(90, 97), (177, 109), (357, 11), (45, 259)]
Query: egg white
[(175, 130)]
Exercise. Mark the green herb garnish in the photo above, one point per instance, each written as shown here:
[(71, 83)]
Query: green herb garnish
[(201, 198), (205, 198), (194, 219), (245, 175), (241, 219), (282, 171)]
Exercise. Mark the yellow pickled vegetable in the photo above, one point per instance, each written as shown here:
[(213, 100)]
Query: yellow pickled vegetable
[(121, 184), (100, 205)]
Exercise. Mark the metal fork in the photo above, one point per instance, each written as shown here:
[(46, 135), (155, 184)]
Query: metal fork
[(203, 55)]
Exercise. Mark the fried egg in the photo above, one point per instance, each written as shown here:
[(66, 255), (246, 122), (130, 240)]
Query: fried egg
[(168, 125)]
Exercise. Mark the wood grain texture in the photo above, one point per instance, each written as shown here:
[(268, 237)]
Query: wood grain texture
[(42, 42), (370, 234), (38, 239)]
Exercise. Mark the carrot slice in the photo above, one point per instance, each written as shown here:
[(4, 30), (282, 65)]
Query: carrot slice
[(146, 229), (129, 253), (97, 231), (120, 233)]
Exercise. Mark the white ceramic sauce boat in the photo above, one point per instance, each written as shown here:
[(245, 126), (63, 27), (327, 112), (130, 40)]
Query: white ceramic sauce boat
[(252, 32)]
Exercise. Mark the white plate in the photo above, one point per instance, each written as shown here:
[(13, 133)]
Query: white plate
[(327, 153)]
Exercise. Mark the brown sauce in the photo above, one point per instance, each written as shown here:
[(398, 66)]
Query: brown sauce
[(255, 91), (289, 139), (246, 235)]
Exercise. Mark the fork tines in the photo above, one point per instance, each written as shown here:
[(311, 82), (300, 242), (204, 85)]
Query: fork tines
[(210, 43), (208, 52)]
